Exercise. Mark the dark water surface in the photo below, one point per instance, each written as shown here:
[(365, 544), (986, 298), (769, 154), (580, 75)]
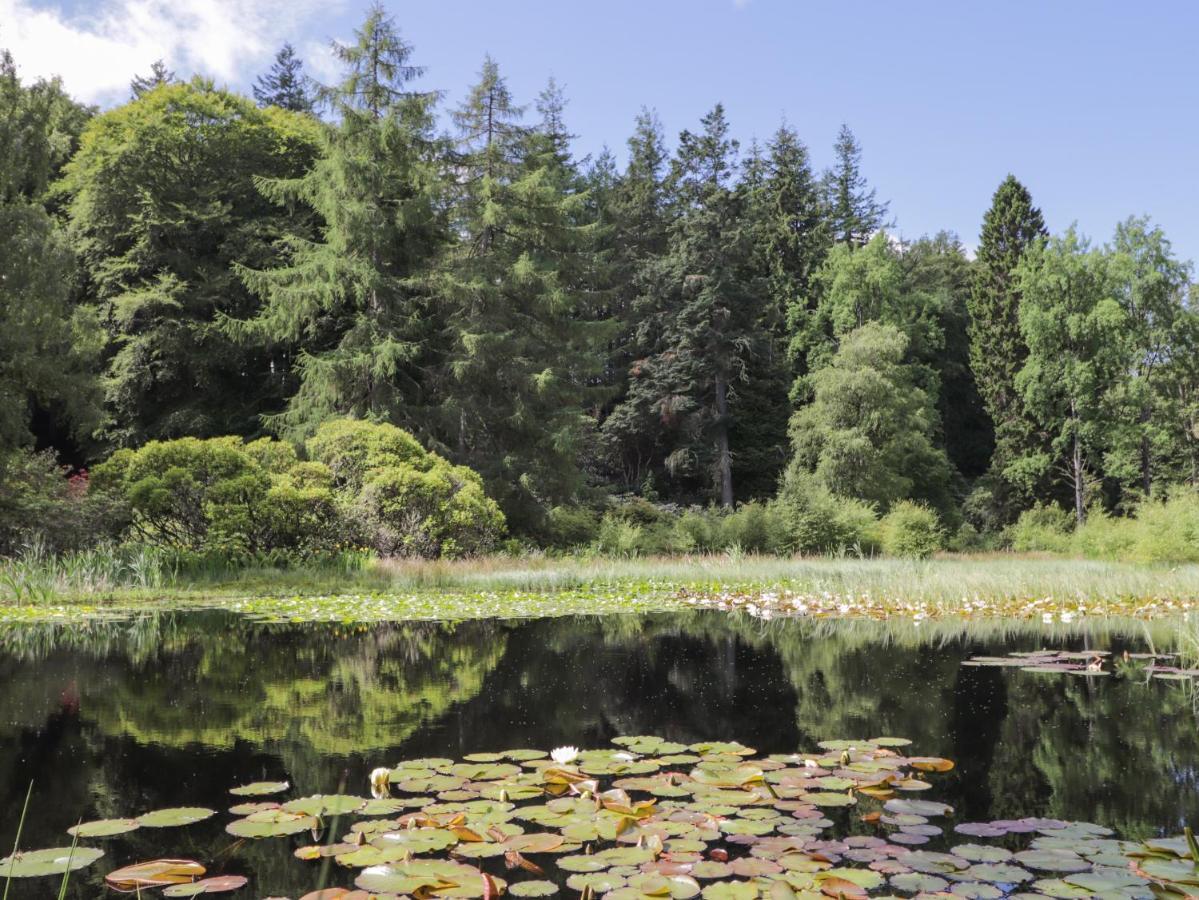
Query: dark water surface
[(173, 710)]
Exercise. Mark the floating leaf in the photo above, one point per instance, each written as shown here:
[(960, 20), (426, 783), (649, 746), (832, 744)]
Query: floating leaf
[(175, 817), (103, 828), (219, 884), (54, 861), (260, 788), (154, 873), (532, 888)]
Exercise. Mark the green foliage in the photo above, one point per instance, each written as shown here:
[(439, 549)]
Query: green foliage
[(1011, 226), (162, 210), (285, 85), (1044, 526), (911, 530), (1075, 330), (400, 498), (868, 433), (814, 520), (526, 336), (356, 299), (855, 212), (46, 345), (572, 526), (42, 506)]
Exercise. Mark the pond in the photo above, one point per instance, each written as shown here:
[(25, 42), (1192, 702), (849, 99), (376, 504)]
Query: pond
[(115, 719)]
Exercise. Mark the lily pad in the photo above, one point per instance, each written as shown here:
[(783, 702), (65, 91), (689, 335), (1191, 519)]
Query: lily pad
[(220, 884), (260, 789), (103, 828), (54, 861), (532, 888), (175, 817)]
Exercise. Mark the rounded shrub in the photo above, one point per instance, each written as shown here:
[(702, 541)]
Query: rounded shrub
[(812, 519), (400, 498), (911, 530), (1044, 527)]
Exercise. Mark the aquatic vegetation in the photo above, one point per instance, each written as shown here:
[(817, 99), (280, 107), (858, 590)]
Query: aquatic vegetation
[(1092, 663), (653, 819)]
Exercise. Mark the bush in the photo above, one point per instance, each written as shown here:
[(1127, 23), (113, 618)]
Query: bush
[(1043, 527), (572, 526), (697, 531), (618, 537), (42, 505), (1104, 537), (911, 530), (402, 499), (812, 519), (1167, 531), (215, 498), (752, 527)]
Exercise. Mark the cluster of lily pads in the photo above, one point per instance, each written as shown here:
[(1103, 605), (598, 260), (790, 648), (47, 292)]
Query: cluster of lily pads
[(788, 604), (1140, 666), (652, 819)]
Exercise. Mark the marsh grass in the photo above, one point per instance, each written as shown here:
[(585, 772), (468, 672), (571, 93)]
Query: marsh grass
[(132, 576)]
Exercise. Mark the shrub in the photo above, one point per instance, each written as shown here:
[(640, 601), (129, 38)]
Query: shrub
[(572, 526), (1167, 531), (752, 527), (1043, 527), (41, 504), (912, 530), (215, 497), (812, 519), (402, 499), (619, 537), (1104, 537), (697, 531)]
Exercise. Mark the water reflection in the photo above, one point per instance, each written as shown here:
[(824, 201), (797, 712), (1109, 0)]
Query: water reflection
[(120, 718)]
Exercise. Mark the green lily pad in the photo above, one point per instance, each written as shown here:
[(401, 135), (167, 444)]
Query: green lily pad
[(172, 818), (219, 884), (260, 789), (54, 861), (918, 883), (325, 805), (532, 888), (103, 828)]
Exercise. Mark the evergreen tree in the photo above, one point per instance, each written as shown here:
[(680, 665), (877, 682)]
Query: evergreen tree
[(854, 209), (357, 300), (937, 268), (634, 439), (997, 349), (711, 309), (524, 348), (285, 85), (159, 75)]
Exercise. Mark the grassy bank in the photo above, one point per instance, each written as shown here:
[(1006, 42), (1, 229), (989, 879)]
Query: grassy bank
[(978, 586)]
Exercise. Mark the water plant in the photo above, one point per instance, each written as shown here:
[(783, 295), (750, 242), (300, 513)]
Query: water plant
[(649, 818)]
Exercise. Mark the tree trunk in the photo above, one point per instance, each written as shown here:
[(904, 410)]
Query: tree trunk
[(1076, 471), (724, 457), (1146, 471)]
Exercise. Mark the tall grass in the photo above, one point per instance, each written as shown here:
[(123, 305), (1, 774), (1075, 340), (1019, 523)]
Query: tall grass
[(37, 576)]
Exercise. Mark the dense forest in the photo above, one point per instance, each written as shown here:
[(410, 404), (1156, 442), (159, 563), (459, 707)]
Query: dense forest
[(706, 324)]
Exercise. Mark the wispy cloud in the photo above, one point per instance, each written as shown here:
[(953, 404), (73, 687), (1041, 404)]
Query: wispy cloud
[(98, 47), (741, 4)]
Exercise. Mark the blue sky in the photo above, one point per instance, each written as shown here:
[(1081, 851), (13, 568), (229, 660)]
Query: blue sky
[(1091, 104)]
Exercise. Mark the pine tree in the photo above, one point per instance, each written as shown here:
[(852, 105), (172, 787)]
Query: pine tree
[(855, 212), (357, 299), (159, 74), (997, 348), (285, 85), (634, 441), (524, 347), (710, 316)]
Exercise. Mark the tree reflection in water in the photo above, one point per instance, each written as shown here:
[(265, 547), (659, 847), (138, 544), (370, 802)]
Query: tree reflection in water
[(168, 709)]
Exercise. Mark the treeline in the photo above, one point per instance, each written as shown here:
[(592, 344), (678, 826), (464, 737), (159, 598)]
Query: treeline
[(708, 326)]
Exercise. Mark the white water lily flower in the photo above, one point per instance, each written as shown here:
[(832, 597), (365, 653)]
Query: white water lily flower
[(564, 755), (622, 756), (380, 783)]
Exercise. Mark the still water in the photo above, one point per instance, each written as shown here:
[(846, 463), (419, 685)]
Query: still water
[(117, 719)]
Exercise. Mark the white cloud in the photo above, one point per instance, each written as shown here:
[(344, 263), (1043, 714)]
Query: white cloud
[(98, 49)]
